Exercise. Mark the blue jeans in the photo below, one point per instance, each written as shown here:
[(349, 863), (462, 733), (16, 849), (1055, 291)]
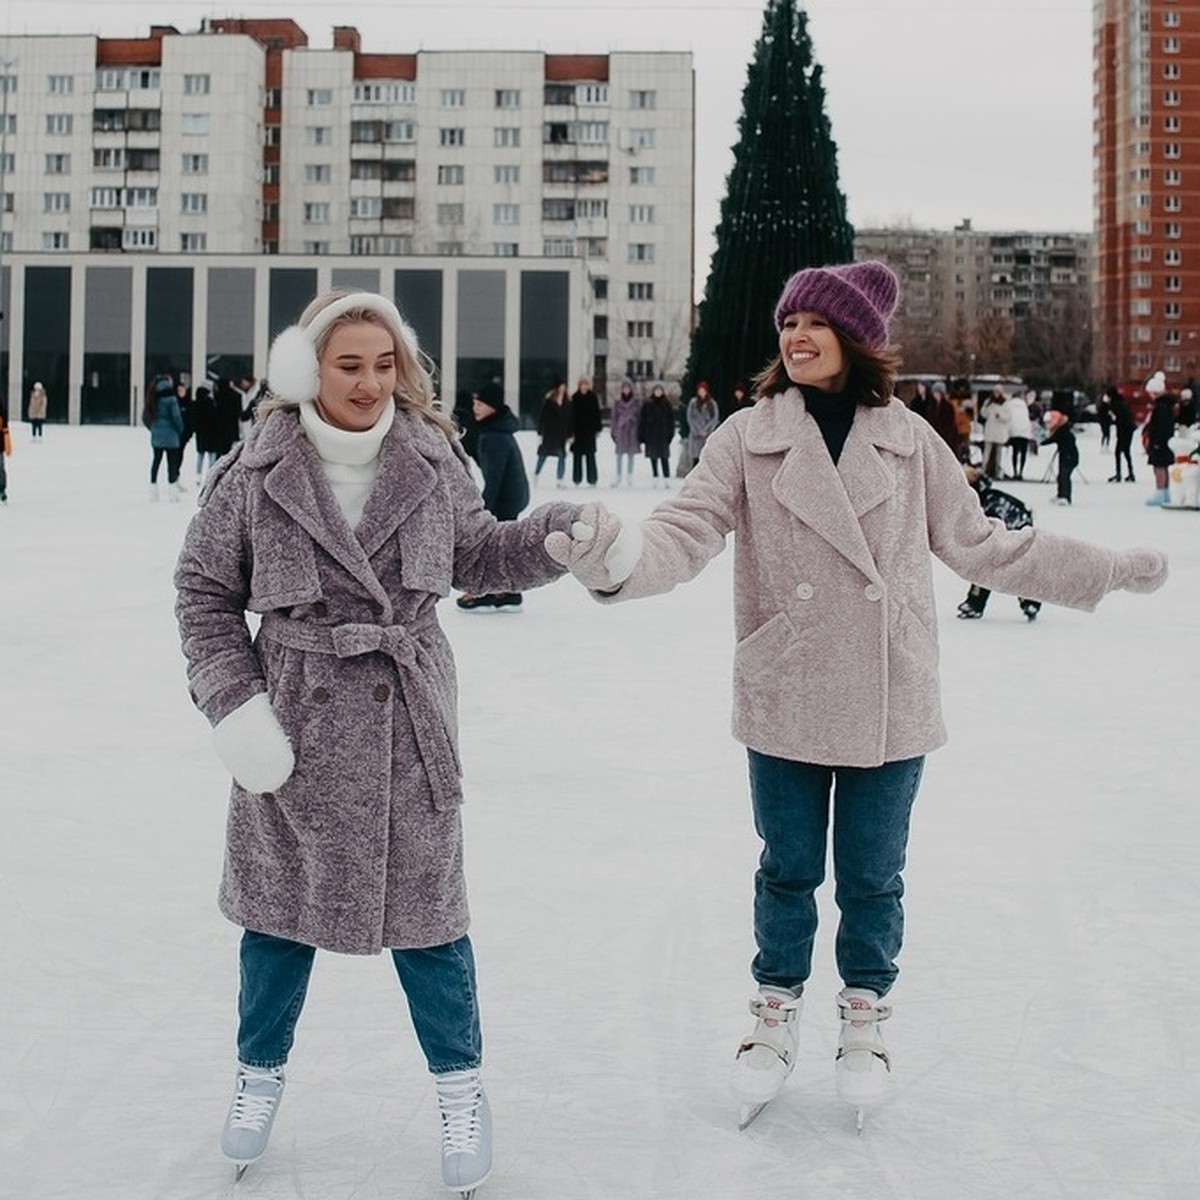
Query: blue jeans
[(438, 982), (870, 834)]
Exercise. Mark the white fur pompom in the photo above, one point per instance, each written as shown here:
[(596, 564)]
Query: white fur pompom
[(292, 373), (1155, 385)]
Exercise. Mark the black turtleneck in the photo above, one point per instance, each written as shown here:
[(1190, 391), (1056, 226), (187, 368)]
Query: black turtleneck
[(833, 413)]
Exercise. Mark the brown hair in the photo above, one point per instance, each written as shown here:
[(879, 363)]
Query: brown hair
[(872, 378)]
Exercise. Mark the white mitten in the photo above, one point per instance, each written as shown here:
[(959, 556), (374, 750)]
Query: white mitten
[(1139, 570), (599, 551), (253, 746)]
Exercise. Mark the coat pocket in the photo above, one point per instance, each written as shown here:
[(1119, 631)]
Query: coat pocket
[(284, 568)]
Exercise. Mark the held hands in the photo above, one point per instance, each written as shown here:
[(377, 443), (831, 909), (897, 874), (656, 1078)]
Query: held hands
[(599, 551), (253, 746), (1139, 570)]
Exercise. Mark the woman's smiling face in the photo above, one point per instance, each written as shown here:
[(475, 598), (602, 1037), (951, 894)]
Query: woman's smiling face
[(358, 375), (812, 353)]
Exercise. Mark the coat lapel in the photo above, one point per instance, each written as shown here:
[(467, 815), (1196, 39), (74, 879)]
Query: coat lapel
[(406, 478), (830, 500), (296, 482)]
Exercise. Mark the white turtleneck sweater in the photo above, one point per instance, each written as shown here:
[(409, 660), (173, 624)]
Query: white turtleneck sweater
[(350, 459)]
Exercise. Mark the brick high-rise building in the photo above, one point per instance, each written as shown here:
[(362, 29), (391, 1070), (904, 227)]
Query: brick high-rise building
[(1147, 190)]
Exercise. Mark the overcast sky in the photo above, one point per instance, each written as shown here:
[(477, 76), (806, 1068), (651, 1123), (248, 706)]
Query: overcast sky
[(975, 109)]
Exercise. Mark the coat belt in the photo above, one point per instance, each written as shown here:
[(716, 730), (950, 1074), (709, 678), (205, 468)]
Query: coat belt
[(400, 644)]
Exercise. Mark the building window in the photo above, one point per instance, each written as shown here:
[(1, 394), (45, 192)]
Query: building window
[(317, 212), (1172, 177), (508, 173), (318, 173), (272, 135), (1139, 308), (508, 98), (506, 214), (641, 214), (1173, 229), (592, 209), (318, 135), (401, 132), (51, 202), (599, 287), (558, 248), (506, 249), (366, 207), (454, 97), (144, 79), (197, 85), (639, 329), (641, 139), (194, 123), (1172, 203), (449, 214), (641, 291), (1171, 70), (591, 93), (385, 93), (594, 247), (195, 164), (1142, 228), (59, 123), (641, 252), (1172, 310), (1171, 98), (506, 136), (60, 85), (449, 249), (1171, 125), (1170, 45), (319, 97), (1141, 280), (640, 98), (194, 202), (1173, 283), (316, 247), (591, 133), (641, 176), (58, 164), (1141, 200), (370, 243), (139, 237), (56, 240), (1171, 364), (1173, 258), (639, 368), (270, 172), (451, 173), (452, 137), (558, 210), (141, 197), (105, 197), (1170, 19)]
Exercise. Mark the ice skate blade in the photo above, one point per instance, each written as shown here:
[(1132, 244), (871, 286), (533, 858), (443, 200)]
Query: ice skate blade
[(860, 1116), (748, 1113), (239, 1169)]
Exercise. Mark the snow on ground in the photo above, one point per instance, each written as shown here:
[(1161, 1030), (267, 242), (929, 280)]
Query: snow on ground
[(1044, 1030)]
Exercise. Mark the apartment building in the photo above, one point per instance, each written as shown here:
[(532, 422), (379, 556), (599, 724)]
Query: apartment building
[(1146, 85), (242, 140), (960, 289)]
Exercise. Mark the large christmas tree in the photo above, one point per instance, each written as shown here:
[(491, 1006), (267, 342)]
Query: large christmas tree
[(782, 210)]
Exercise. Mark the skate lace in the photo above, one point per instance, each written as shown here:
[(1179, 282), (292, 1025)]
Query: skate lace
[(252, 1111), (460, 1104)]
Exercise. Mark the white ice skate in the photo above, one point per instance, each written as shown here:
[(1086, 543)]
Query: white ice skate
[(765, 1059), (466, 1131), (862, 1067), (256, 1098)]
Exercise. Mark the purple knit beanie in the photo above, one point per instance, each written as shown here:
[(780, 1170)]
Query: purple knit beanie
[(858, 298)]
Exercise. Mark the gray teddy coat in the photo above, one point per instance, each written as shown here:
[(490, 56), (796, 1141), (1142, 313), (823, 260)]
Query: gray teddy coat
[(361, 848), (836, 659)]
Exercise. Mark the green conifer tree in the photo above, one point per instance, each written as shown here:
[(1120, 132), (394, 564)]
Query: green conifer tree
[(783, 208)]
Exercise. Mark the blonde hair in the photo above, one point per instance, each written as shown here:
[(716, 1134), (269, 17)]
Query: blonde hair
[(414, 391)]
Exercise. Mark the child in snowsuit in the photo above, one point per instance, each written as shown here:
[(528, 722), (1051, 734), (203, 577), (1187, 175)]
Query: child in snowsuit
[(1059, 431), (1015, 515)]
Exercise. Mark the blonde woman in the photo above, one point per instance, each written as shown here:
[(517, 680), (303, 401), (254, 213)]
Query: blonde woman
[(342, 520)]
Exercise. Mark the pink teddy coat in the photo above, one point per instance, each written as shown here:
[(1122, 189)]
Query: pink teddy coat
[(362, 847), (836, 659)]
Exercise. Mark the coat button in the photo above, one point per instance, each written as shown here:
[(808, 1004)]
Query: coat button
[(804, 591), (320, 609), (382, 691), (873, 591), (319, 695), (376, 608)]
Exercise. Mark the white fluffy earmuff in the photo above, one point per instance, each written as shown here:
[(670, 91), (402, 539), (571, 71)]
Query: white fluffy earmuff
[(293, 374)]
